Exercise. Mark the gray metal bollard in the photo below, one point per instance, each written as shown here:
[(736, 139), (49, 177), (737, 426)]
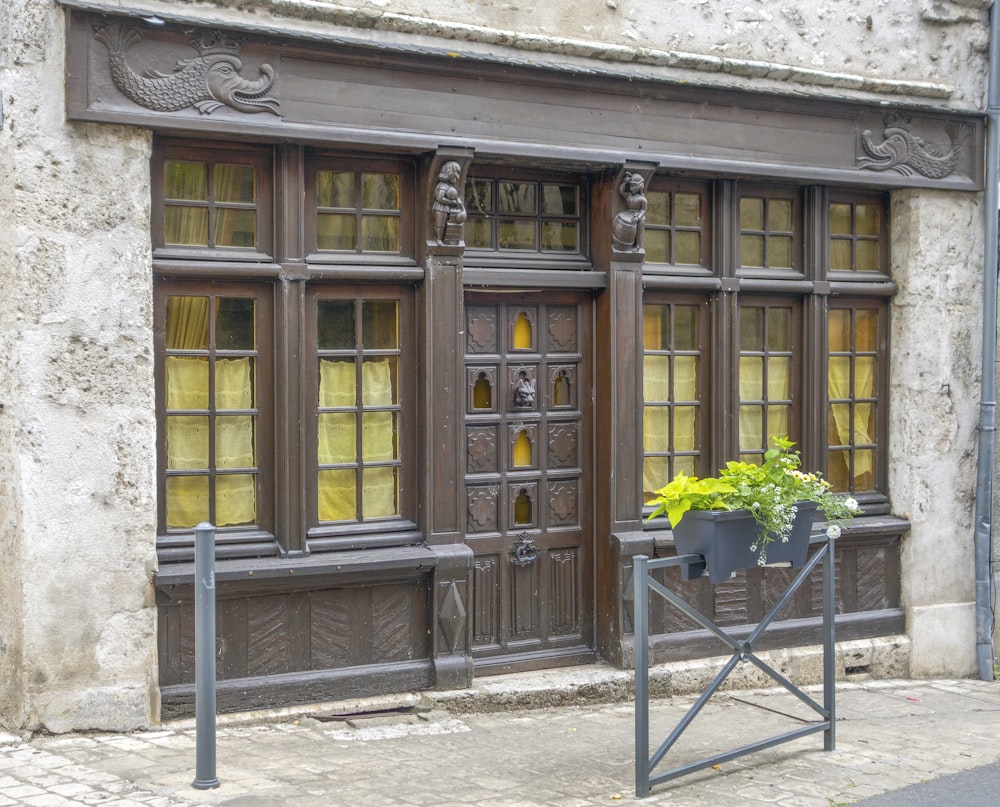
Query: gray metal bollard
[(204, 656)]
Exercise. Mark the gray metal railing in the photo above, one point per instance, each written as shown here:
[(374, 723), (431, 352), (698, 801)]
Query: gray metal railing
[(742, 652)]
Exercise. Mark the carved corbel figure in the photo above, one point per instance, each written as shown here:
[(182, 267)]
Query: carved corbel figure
[(628, 227), (448, 208)]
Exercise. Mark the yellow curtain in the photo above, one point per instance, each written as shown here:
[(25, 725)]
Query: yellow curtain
[(839, 382), (337, 441)]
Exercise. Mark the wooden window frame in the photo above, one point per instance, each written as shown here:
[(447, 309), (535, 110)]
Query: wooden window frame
[(769, 193), (672, 187)]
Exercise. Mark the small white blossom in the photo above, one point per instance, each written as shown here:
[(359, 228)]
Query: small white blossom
[(833, 531), (852, 505)]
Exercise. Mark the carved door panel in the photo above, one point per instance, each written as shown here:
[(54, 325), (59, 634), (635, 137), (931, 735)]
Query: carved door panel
[(528, 477)]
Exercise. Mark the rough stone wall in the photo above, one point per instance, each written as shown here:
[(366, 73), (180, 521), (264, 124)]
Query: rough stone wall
[(77, 428), (937, 263)]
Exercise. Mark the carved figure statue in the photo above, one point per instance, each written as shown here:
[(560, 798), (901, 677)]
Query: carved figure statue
[(206, 82), (448, 207), (629, 226), (524, 391)]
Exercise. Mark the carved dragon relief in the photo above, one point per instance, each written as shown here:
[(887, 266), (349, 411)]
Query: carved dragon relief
[(904, 152), (206, 82)]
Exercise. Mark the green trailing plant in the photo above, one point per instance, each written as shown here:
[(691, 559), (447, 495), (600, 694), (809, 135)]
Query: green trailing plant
[(771, 491)]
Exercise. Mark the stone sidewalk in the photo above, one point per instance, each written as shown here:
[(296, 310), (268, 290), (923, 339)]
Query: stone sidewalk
[(890, 734)]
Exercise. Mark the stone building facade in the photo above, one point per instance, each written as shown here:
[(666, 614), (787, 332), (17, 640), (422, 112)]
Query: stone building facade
[(418, 300)]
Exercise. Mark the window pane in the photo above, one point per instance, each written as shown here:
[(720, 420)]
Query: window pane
[(478, 195), (655, 474), (234, 442), (655, 327), (185, 180), (559, 200), (337, 383), (187, 501), (335, 326), (234, 383), (751, 428), (656, 429), (377, 382), (866, 219), (185, 225), (187, 323), (187, 443), (840, 220), (234, 324), (866, 330), (840, 254), (657, 207), (779, 329), (685, 378), (839, 377), (779, 421), (478, 233), (657, 243), (335, 231), (685, 428), (687, 248), (838, 472), (380, 492), (379, 324), (866, 256), (687, 209), (840, 330), (379, 192), (686, 327), (752, 329), (338, 495), (235, 500), (559, 236), (779, 252), (517, 197), (751, 378), (779, 378), (337, 443), (378, 437), (751, 214), (335, 189), (779, 215), (235, 228), (186, 380), (751, 250), (517, 234), (380, 233), (235, 183)]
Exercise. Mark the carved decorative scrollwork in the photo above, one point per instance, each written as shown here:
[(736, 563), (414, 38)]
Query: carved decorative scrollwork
[(206, 82), (902, 151)]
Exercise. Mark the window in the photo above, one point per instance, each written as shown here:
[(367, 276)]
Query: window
[(526, 216), (765, 349), (284, 399), (677, 230)]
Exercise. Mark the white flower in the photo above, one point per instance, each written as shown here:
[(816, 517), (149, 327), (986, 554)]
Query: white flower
[(833, 531), (852, 505)]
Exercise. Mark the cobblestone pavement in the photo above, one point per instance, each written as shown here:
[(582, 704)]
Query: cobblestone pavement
[(889, 734)]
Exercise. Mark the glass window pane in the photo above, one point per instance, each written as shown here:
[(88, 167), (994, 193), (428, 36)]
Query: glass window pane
[(685, 378), (234, 441), (687, 247), (751, 250), (380, 492), (337, 383), (187, 323), (379, 324), (337, 438), (517, 197), (687, 209), (779, 421), (864, 376), (840, 220), (335, 326), (838, 373), (185, 180), (838, 424), (186, 382), (478, 233), (685, 428), (235, 500), (235, 228), (559, 200), (234, 383), (335, 189), (656, 429), (377, 377), (779, 329), (779, 378), (779, 215), (559, 236), (655, 378), (779, 252), (866, 330), (751, 429), (380, 233), (657, 244), (751, 328), (234, 323), (378, 437), (837, 470), (335, 231), (187, 501), (380, 192), (517, 234), (185, 225), (479, 195), (866, 256), (655, 327), (338, 495), (686, 327), (751, 214), (866, 219), (839, 325), (655, 473), (657, 207), (751, 378), (187, 443), (235, 183), (840, 254)]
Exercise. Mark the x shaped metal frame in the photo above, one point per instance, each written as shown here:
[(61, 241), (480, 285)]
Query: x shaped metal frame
[(742, 651)]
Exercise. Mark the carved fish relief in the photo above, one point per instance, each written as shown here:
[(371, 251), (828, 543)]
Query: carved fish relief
[(206, 82), (902, 151)]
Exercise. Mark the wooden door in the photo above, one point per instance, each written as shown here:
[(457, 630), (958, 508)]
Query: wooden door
[(528, 477)]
